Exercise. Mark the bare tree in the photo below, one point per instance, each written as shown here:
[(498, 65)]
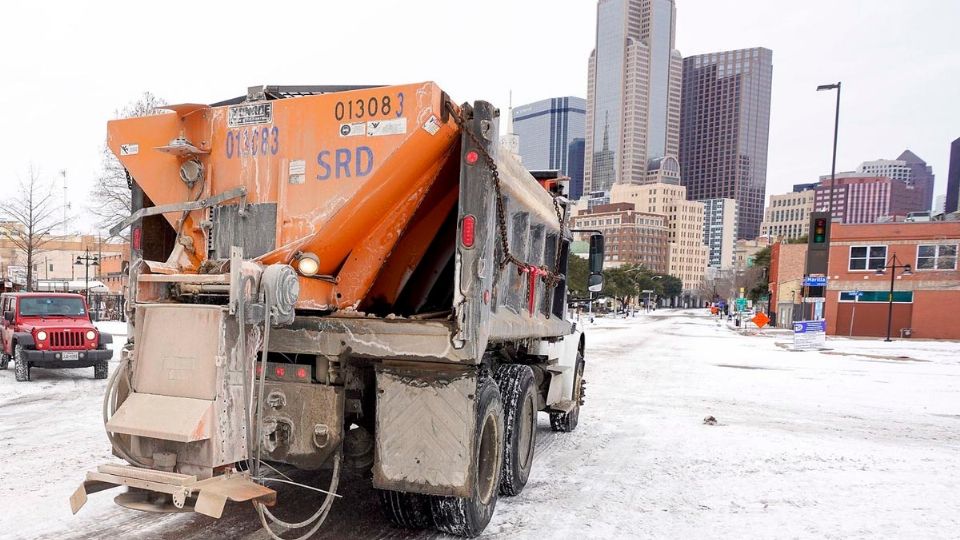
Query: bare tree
[(110, 196), (34, 212)]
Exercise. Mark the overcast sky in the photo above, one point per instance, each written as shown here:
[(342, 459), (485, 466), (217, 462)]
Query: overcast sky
[(65, 67)]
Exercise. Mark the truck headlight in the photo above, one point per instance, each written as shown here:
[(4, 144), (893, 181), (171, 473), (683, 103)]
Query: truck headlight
[(41, 335), (91, 335)]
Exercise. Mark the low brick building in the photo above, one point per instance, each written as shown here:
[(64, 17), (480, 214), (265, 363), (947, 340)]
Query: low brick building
[(787, 263), (630, 237), (925, 302)]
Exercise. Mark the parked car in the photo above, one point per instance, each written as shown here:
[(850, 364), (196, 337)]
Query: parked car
[(51, 330)]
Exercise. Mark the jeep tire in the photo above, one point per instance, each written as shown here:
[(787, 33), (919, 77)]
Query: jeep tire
[(20, 364), (101, 370)]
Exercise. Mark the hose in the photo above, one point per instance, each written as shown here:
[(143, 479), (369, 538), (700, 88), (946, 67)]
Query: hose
[(318, 518)]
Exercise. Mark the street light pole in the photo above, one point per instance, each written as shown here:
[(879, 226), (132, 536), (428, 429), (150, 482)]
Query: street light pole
[(892, 266), (87, 261), (836, 132)]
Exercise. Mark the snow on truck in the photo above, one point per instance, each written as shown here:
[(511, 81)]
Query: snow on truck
[(338, 276)]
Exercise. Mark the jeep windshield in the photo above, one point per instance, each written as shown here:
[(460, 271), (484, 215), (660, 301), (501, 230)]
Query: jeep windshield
[(52, 307)]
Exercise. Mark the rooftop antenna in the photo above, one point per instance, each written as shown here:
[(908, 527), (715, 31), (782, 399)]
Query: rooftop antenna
[(510, 140)]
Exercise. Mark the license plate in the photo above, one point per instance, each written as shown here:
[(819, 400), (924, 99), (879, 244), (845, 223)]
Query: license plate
[(71, 356)]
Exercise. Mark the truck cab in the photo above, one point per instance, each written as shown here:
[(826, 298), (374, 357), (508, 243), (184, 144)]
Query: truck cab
[(50, 330)]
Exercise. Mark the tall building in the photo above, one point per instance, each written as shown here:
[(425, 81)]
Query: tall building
[(633, 96), (788, 215), (719, 231), (686, 253), (546, 129), (630, 237), (952, 203), (575, 168), (908, 168), (724, 127), (866, 199)]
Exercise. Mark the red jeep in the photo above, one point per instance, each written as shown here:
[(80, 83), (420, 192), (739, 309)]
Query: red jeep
[(51, 330)]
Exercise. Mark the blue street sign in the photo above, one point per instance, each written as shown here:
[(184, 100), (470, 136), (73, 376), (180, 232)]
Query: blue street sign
[(815, 281)]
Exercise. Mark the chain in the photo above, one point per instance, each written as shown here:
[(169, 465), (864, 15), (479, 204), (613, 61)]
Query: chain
[(551, 278)]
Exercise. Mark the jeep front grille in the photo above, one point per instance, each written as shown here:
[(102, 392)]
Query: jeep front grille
[(66, 339)]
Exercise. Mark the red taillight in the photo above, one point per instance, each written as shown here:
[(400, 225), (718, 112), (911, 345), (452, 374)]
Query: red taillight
[(472, 157), (301, 373), (137, 232), (280, 371), (468, 230)]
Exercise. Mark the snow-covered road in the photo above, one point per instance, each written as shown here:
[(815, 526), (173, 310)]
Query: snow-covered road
[(862, 440)]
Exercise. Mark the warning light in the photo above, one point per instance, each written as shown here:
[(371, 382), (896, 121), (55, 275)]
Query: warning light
[(301, 373), (472, 157), (820, 231), (468, 229), (280, 371)]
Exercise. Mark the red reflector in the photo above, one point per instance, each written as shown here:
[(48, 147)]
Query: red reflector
[(280, 371), (301, 373), (137, 232), (472, 157), (468, 229), (259, 369)]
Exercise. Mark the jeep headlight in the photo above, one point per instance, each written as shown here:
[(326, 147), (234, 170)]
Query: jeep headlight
[(41, 335), (91, 335)]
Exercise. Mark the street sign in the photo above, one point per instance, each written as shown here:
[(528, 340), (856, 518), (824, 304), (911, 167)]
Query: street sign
[(741, 304), (814, 300), (760, 319), (809, 334), (814, 281)]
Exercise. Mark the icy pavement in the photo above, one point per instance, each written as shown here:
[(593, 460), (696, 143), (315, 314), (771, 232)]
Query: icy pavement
[(862, 440)]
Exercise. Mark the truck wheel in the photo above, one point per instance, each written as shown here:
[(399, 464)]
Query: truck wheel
[(20, 364), (469, 516), (4, 360), (101, 370), (567, 421), (410, 510), (518, 392)]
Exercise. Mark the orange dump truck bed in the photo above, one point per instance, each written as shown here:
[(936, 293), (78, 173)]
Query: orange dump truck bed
[(387, 200)]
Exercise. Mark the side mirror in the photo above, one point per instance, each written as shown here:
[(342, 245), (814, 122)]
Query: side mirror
[(595, 283), (8, 316), (596, 254)]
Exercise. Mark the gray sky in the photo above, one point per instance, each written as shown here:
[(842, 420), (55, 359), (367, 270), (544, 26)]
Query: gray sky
[(67, 66)]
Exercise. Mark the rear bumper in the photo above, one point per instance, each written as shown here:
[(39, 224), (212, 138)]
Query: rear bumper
[(53, 359)]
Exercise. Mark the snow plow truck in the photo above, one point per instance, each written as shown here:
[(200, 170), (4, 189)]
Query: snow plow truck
[(331, 277)]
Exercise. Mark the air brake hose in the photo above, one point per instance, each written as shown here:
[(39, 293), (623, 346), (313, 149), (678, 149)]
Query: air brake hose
[(109, 407)]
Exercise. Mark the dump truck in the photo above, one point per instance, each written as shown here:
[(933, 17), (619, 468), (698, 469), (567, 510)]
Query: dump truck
[(330, 277)]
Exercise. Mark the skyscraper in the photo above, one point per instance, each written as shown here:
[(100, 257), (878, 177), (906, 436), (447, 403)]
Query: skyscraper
[(724, 127), (633, 96), (909, 168), (546, 129), (953, 179)]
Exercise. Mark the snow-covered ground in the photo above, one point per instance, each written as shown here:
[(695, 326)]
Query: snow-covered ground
[(861, 440)]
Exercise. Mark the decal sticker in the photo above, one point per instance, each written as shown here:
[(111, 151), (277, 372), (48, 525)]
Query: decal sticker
[(297, 171), (432, 125), (129, 149), (376, 128)]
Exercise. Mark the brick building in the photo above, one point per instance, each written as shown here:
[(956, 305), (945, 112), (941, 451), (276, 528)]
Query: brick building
[(787, 262), (630, 237), (922, 302)]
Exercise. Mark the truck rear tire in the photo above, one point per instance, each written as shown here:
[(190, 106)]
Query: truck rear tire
[(567, 421), (518, 393), (101, 370), (20, 364), (409, 510), (469, 516)]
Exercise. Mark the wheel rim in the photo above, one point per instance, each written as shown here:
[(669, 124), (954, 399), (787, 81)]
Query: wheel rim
[(528, 416), (488, 470)]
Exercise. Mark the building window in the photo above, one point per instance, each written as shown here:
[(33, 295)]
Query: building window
[(937, 257), (867, 257)]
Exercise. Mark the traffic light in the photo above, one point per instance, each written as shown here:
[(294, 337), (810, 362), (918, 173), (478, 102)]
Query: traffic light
[(820, 230)]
